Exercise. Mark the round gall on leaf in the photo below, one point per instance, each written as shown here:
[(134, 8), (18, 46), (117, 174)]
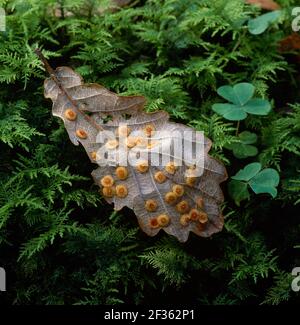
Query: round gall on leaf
[(190, 181), (123, 131), (178, 190), (93, 155), (171, 168), (121, 191), (142, 166), (122, 172), (151, 205), (112, 144), (153, 223), (141, 142), (107, 181), (80, 133), (203, 217), (130, 142), (108, 191), (182, 207), (70, 115), (160, 177), (149, 130), (194, 214), (163, 220), (184, 220), (170, 197)]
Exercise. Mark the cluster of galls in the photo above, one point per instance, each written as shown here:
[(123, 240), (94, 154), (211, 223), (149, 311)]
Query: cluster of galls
[(188, 214), (109, 189), (124, 131), (120, 190)]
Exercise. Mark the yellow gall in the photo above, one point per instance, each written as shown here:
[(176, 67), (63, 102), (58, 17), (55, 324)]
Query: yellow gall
[(190, 172), (190, 178), (184, 220), (130, 142), (142, 166), (203, 217), (191, 166), (107, 181), (81, 134), (108, 191), (171, 168), (70, 115), (149, 130), (153, 223), (170, 197), (112, 144), (123, 131), (178, 190), (182, 207), (190, 181), (94, 155), (151, 205), (194, 214), (200, 202), (160, 177), (141, 142), (121, 191), (122, 172), (163, 220)]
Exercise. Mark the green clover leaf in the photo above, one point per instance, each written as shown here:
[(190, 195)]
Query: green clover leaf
[(238, 191), (258, 25), (244, 147), (247, 172), (260, 181), (265, 182), (241, 102)]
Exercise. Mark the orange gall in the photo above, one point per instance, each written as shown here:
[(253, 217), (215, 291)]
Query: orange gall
[(80, 133), (122, 172), (163, 220), (182, 207), (170, 197), (70, 115), (107, 181), (121, 191), (160, 177), (151, 205)]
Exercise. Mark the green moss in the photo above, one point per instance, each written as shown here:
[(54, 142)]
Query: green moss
[(59, 241)]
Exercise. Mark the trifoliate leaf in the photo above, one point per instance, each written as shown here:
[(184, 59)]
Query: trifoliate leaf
[(242, 102), (260, 181), (244, 149)]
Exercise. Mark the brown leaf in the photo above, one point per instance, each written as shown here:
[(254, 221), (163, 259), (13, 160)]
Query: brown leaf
[(167, 197), (289, 43), (265, 4)]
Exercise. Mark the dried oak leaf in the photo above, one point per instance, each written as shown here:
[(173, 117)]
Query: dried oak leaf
[(162, 197), (265, 4)]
